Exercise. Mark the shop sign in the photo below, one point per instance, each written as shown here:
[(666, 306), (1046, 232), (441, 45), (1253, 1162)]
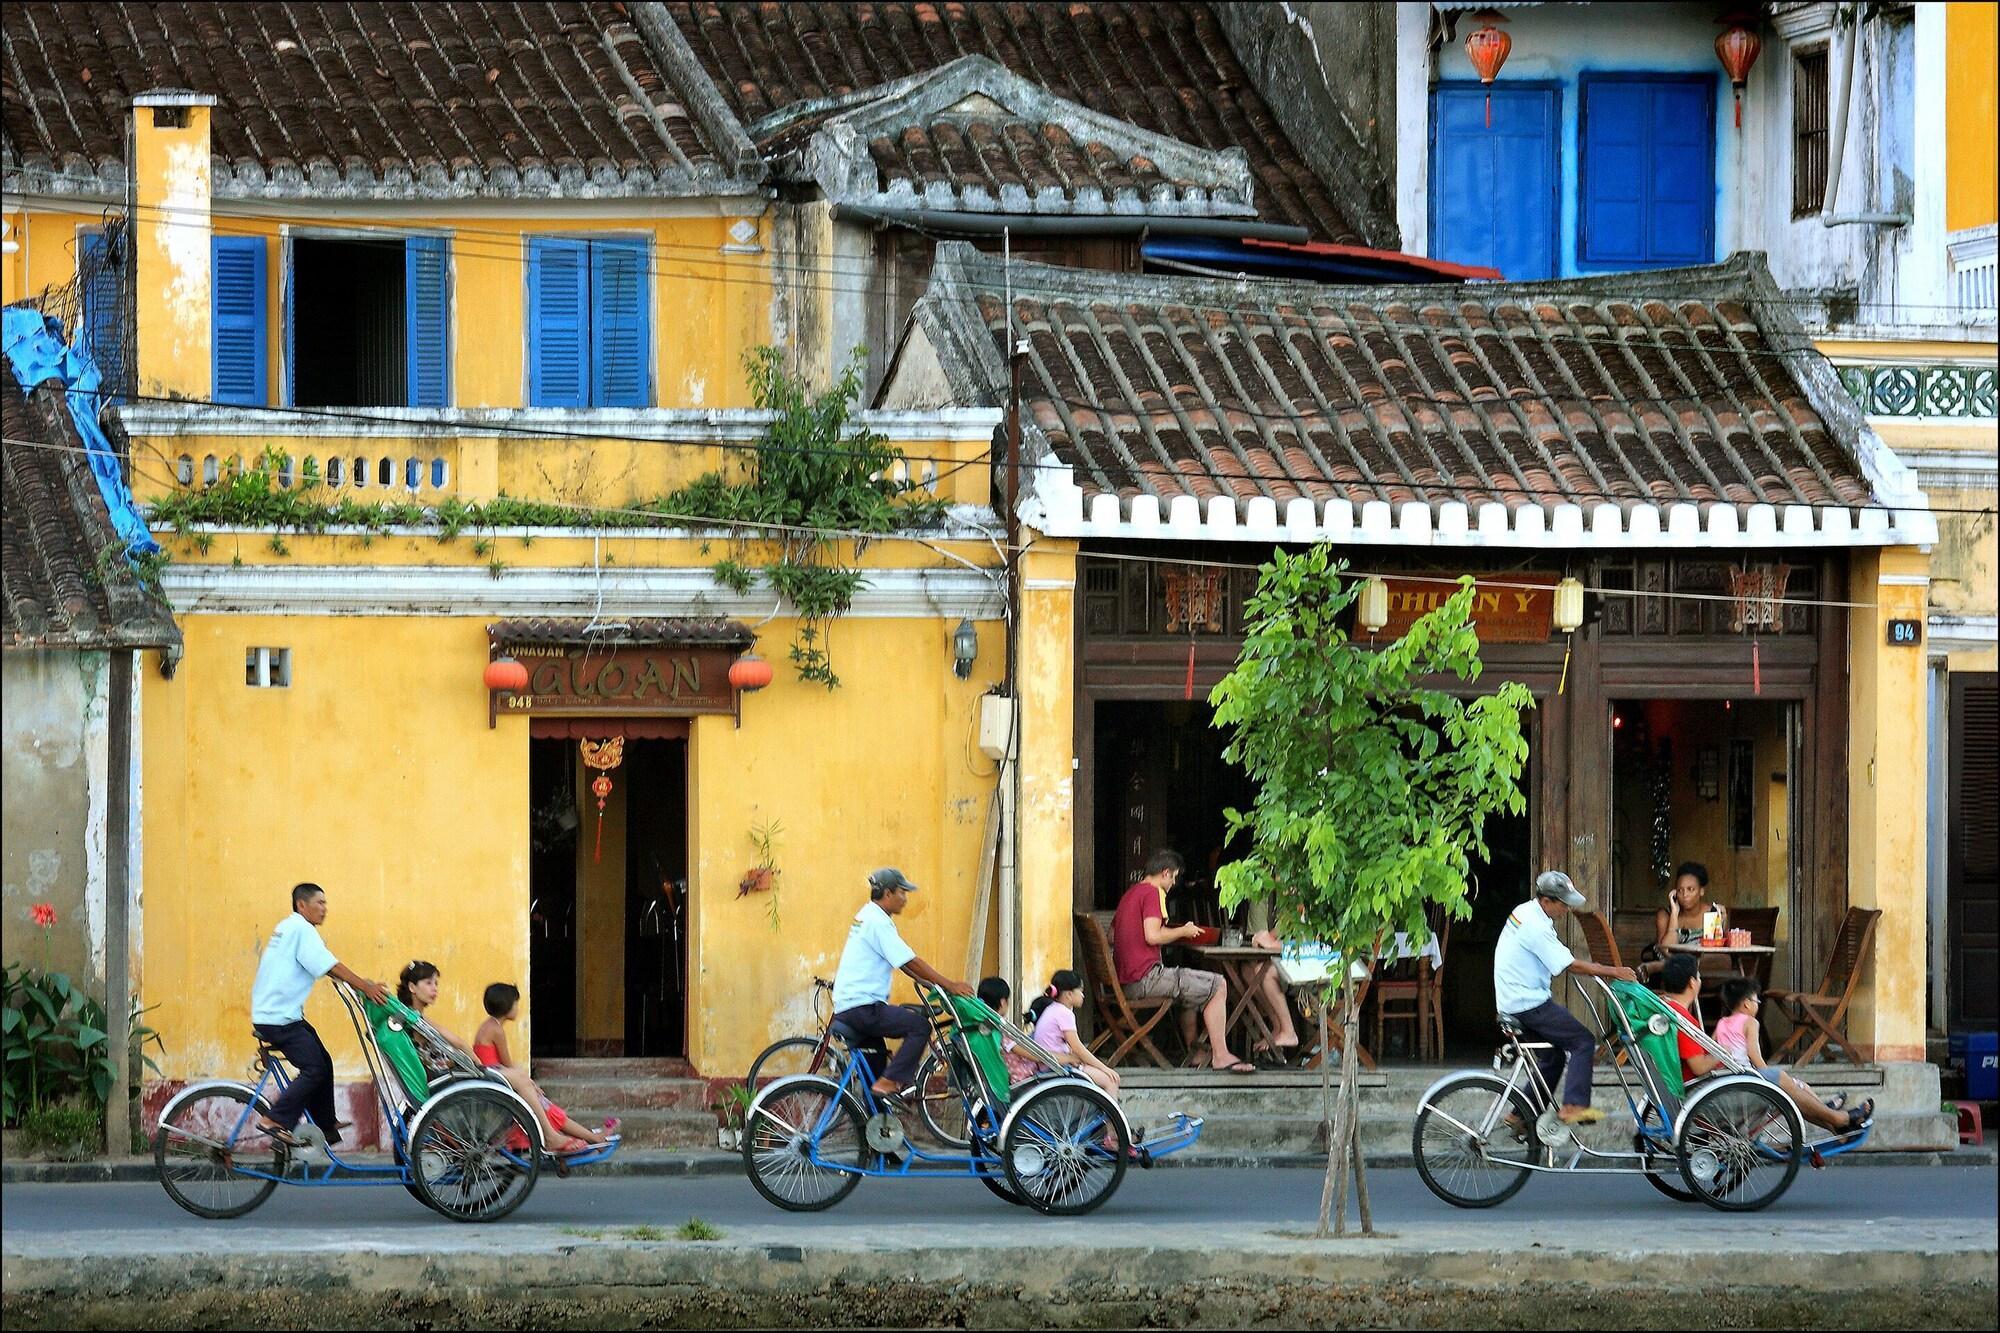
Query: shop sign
[(1506, 608), (626, 681), (1905, 633)]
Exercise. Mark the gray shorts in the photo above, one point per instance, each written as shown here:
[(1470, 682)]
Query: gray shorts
[(1190, 986)]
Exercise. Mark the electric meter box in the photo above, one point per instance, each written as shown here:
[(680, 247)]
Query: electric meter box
[(996, 726)]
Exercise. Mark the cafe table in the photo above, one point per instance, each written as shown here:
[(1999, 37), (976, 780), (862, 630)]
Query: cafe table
[(1239, 966)]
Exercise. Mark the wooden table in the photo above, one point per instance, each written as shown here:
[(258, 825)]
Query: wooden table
[(1239, 967)]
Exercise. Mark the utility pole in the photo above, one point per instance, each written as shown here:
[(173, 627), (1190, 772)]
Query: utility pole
[(1010, 771)]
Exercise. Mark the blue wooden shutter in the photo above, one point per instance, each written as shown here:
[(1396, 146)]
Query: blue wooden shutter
[(238, 319), (1646, 179), (428, 311), (1494, 187), (558, 323), (620, 353), (104, 309)]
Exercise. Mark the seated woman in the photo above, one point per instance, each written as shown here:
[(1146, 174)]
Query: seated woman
[(417, 987), (489, 1047), (1680, 921), (1680, 987)]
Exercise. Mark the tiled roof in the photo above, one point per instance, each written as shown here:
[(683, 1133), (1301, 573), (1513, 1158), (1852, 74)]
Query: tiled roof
[(435, 100), (1166, 68), (66, 584), (973, 135), (1458, 411), (675, 631)]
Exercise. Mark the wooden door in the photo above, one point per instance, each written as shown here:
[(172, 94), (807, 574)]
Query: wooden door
[(1972, 885)]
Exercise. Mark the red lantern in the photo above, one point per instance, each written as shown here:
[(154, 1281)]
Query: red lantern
[(749, 672), (1487, 47), (504, 673), (1737, 48)]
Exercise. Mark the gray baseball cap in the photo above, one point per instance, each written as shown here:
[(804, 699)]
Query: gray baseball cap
[(1554, 884), (889, 878)]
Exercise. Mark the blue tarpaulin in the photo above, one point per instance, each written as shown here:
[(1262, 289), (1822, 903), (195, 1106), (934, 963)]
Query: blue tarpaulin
[(37, 353)]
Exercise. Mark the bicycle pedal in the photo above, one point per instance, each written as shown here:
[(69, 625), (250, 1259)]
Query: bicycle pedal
[(1818, 1161)]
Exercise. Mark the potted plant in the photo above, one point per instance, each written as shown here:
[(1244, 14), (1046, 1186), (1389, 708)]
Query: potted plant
[(731, 1104)]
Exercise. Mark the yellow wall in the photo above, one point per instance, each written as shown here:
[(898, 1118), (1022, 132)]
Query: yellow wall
[(1972, 145), (1886, 797), (709, 308), (1047, 816), (373, 774), (376, 775)]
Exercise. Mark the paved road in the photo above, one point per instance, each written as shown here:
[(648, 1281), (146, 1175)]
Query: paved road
[(1872, 1196)]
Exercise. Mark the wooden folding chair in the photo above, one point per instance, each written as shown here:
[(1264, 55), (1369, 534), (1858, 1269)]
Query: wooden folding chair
[(1121, 1019), (1633, 930), (1602, 942), (1822, 1014), (1400, 996)]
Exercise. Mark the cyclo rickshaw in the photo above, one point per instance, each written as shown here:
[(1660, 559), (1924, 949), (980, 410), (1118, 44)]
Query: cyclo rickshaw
[(1053, 1142), (1729, 1139), (462, 1141)]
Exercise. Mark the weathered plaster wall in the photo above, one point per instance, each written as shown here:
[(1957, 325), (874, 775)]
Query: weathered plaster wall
[(1046, 672), (172, 236), (52, 835)]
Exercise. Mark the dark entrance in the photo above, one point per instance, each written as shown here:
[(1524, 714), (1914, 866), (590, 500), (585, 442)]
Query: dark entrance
[(608, 919), (1162, 782), (1973, 873)]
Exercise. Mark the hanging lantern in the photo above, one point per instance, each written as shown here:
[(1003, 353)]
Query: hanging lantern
[(1737, 48), (1569, 619), (1487, 47), (504, 673), (603, 756), (1372, 612), (749, 672)]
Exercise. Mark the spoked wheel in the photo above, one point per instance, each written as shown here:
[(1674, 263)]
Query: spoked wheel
[(472, 1156), (1465, 1151), (1740, 1145), (799, 1055), (782, 1135), (1663, 1168), (203, 1146), (1064, 1149), (940, 1106)]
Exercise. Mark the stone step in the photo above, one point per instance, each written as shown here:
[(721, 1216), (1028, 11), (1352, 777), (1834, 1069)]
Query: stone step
[(610, 1067), (654, 1129), (636, 1094)]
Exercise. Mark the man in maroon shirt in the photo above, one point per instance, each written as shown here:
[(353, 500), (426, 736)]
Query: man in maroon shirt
[(1139, 930)]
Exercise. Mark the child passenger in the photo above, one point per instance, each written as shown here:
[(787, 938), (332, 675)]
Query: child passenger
[(1053, 1014), (1737, 1032), (489, 1047)]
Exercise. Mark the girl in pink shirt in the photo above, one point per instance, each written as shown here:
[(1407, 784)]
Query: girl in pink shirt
[(1737, 1032), (1054, 1016)]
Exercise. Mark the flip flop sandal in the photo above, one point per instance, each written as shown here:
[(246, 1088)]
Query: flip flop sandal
[(1240, 1067), (284, 1136)]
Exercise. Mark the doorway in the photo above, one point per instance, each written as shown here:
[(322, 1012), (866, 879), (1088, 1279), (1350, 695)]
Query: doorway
[(1161, 782), (608, 899)]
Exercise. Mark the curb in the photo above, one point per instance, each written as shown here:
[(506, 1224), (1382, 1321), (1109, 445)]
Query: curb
[(140, 1170)]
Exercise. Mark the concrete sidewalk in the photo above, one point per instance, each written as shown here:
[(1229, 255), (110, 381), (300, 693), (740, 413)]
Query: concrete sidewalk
[(1048, 1273), (671, 1162)]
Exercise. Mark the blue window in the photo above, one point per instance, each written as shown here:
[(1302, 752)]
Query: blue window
[(1495, 188), (1646, 171), (427, 309), (589, 323), (104, 263), (367, 320), (237, 332)]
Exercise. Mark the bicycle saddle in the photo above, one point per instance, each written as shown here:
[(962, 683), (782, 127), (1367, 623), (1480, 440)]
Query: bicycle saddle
[(844, 1032), (1510, 1025)]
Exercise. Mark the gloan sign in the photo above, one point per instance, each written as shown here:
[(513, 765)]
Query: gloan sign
[(1512, 607), (625, 681)]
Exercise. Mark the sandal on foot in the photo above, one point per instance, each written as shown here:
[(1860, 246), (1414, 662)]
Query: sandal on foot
[(284, 1136), (1240, 1067)]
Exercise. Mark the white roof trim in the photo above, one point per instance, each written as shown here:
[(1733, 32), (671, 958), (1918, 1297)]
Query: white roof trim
[(663, 425), (1056, 508), (611, 592)]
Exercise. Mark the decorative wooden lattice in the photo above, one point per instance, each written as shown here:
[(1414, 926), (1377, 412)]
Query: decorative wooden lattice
[(1194, 599), (1759, 595)]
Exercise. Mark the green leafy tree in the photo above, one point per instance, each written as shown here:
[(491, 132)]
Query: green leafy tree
[(1373, 786)]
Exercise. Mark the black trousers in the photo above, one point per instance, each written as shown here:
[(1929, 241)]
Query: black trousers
[(892, 1020), (1570, 1041), (311, 1093)]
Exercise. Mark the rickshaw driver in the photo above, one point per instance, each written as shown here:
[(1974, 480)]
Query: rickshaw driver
[(868, 963), (295, 958), (1529, 957)]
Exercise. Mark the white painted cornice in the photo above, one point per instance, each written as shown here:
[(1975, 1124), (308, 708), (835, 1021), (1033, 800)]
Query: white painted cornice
[(664, 425)]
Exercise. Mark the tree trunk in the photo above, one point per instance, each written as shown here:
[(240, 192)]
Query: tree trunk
[(1351, 1078), (1350, 1067), (1326, 1118)]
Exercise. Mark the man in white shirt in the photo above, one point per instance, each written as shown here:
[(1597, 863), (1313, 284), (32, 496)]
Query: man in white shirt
[(1527, 959), (295, 958), (868, 964)]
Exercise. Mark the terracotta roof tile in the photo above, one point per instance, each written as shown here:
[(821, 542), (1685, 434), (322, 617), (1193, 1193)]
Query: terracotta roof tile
[(65, 583), (433, 100), (1171, 386)]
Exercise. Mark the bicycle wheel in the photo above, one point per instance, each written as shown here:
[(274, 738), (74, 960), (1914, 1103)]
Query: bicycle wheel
[(799, 1055), (1663, 1169), (781, 1138), (1464, 1151), (472, 1154), (1065, 1148), (203, 1145), (939, 1105), (1741, 1143)]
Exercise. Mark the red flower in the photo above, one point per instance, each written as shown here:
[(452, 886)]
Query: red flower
[(44, 915)]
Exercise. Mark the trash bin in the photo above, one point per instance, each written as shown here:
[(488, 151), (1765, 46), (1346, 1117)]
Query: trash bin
[(1982, 1066)]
